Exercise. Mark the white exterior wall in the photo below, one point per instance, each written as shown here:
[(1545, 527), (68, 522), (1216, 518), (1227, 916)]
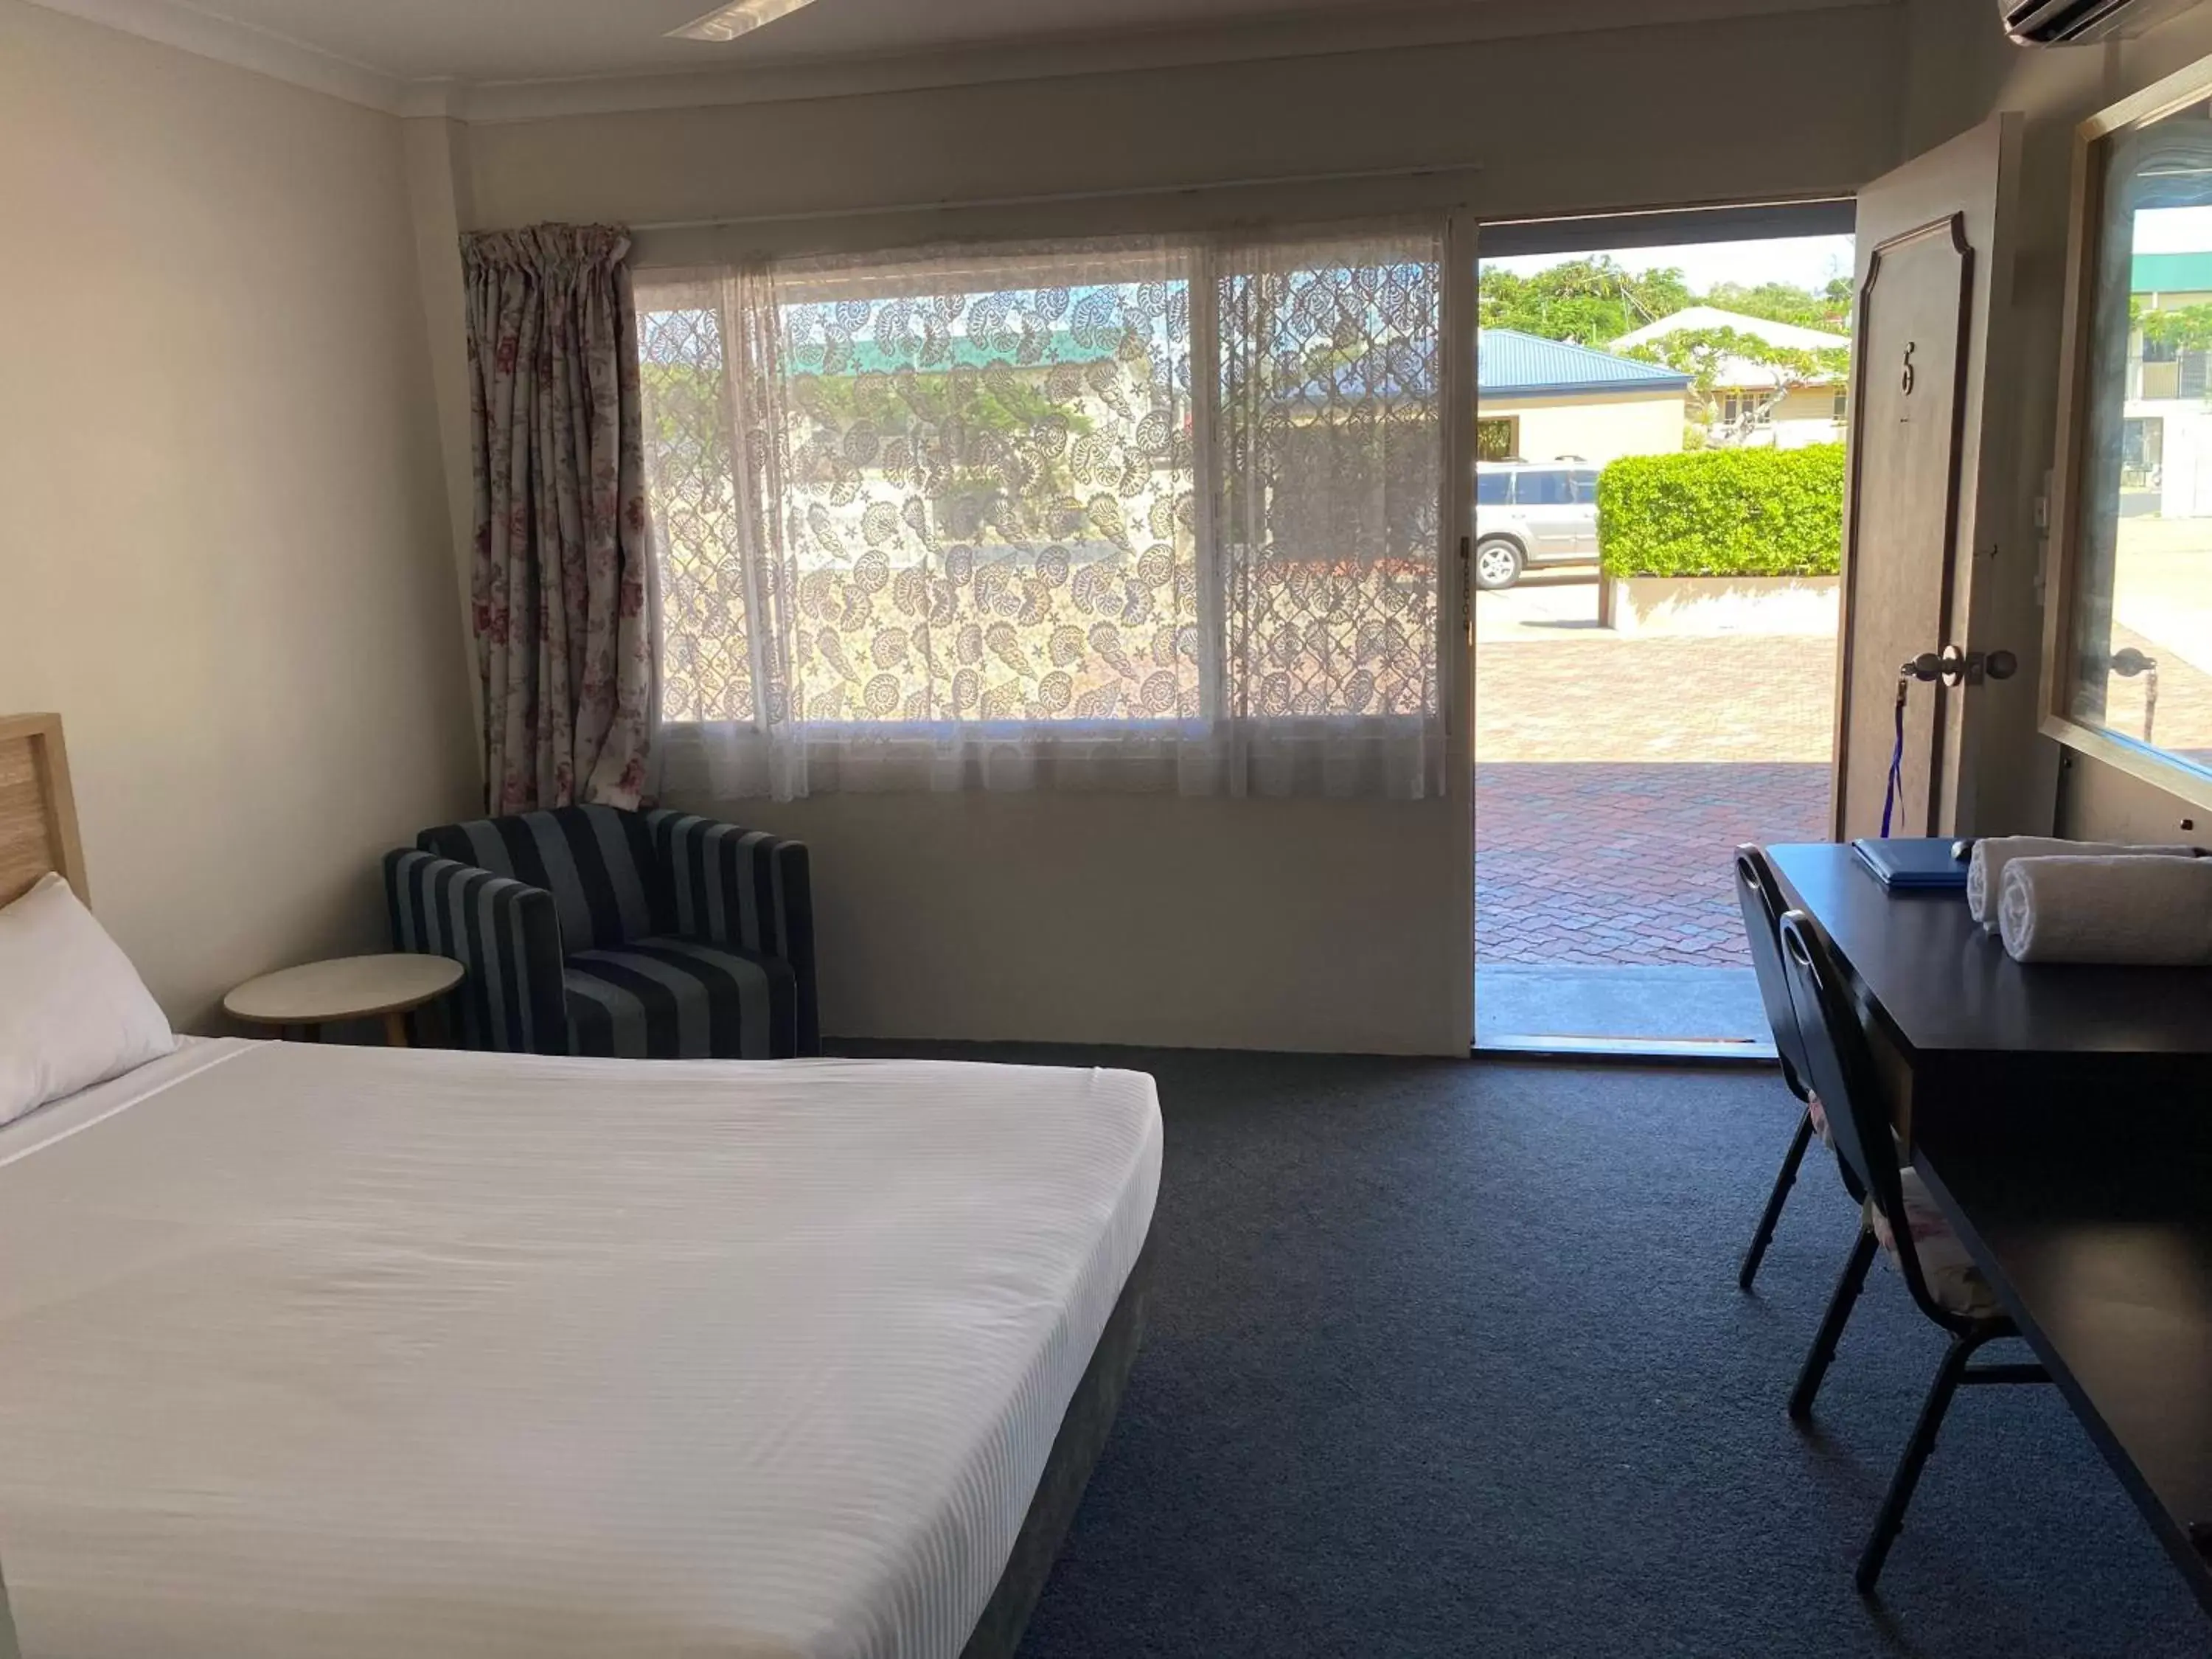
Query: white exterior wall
[(1807, 415), (1594, 428), (2185, 459)]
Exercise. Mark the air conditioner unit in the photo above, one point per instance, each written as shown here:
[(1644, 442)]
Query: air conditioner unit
[(2077, 22)]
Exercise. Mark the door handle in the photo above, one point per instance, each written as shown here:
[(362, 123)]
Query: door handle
[(1963, 667), (1956, 665), (1466, 590)]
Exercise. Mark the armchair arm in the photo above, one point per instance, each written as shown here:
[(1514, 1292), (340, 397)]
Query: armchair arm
[(744, 888), (505, 932)]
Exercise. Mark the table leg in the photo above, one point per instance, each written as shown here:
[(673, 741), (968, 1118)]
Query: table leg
[(395, 1030)]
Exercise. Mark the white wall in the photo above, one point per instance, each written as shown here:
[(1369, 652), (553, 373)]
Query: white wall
[(1234, 923), (1550, 124), (1962, 70), (1192, 922), (1594, 429), (226, 557)]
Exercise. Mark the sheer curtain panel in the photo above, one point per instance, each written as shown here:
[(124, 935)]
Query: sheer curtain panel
[(1133, 515), (1329, 490), (563, 567)]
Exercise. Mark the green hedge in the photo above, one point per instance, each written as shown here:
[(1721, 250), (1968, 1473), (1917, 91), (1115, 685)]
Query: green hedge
[(1724, 513)]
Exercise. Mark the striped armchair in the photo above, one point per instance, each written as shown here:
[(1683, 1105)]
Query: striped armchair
[(588, 930)]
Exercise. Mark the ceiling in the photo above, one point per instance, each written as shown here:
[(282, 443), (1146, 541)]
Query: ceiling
[(378, 50), (543, 39)]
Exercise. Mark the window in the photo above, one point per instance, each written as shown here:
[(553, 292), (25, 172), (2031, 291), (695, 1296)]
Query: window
[(2142, 455), (1493, 489), (1585, 487), (2134, 648), (1747, 407), (1842, 406), (1544, 490), (1144, 514), (1497, 438)]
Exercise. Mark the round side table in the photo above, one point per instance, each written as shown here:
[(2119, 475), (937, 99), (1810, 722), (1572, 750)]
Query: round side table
[(320, 993)]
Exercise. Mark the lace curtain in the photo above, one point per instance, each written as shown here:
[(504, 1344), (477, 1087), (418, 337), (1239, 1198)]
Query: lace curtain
[(1133, 515)]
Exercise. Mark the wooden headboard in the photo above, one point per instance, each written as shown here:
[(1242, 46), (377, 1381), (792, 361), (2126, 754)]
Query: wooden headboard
[(38, 813)]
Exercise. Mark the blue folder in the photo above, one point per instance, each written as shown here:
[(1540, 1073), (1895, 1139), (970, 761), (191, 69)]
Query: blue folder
[(1914, 863)]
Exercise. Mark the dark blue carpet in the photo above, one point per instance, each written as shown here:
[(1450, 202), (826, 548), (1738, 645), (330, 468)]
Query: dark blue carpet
[(1448, 1358)]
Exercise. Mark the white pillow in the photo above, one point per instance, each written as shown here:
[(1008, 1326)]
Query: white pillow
[(73, 1011)]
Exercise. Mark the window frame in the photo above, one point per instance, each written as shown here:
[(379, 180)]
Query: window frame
[(2061, 561), (1211, 252)]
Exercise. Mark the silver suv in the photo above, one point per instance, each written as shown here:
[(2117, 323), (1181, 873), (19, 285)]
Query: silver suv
[(1532, 512)]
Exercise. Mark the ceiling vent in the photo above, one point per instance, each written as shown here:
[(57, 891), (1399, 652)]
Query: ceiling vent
[(2077, 22)]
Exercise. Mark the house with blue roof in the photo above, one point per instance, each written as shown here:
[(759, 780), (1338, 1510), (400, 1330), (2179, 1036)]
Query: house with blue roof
[(1542, 400)]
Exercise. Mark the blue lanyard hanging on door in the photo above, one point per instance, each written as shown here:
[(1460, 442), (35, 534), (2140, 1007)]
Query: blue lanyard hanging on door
[(1895, 787)]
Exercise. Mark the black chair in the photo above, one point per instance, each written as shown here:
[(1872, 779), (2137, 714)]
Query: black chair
[(589, 930), (1759, 896), (1899, 1217)]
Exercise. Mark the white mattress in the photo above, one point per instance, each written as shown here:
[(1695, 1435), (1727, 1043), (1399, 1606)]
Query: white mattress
[(316, 1351)]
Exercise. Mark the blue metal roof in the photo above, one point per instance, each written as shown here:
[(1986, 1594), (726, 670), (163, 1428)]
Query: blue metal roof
[(1517, 365)]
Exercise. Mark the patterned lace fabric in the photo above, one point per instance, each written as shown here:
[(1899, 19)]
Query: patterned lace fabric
[(1130, 514)]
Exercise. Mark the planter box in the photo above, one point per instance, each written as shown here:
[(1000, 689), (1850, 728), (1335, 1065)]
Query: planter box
[(1706, 605)]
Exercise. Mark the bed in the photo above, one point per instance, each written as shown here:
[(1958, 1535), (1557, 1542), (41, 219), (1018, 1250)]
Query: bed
[(316, 1351)]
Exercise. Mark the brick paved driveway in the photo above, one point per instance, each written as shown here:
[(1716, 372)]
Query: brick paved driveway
[(1588, 864), (1613, 776)]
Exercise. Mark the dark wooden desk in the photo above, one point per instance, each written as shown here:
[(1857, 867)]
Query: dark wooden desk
[(1974, 1033), (2062, 1118), (2106, 1265)]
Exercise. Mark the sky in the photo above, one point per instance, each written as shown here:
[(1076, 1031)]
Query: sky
[(1805, 261), (2174, 230)]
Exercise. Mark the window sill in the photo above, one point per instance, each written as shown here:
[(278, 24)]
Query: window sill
[(2155, 767)]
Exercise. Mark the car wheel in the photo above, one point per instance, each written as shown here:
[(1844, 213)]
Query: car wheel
[(1496, 564)]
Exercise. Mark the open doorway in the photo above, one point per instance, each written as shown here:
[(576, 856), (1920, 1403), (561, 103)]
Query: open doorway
[(1659, 477)]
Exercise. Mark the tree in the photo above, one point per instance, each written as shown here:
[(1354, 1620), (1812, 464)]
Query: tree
[(1828, 310), (1582, 301), (1703, 354), (2185, 328)]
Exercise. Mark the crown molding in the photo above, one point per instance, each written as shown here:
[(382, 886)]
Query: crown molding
[(1259, 39), (172, 23), (175, 24)]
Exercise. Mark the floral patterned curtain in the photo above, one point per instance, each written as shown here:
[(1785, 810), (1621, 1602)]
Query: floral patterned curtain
[(563, 584)]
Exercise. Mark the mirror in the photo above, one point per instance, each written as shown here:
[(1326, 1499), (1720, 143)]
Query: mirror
[(2135, 664)]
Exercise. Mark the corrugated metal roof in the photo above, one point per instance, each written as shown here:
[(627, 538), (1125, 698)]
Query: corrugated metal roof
[(1514, 364), (2170, 273), (1789, 335)]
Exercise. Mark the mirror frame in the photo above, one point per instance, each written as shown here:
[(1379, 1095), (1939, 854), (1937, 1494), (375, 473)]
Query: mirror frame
[(2163, 98)]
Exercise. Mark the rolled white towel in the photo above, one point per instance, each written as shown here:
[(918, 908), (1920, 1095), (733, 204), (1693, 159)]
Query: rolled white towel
[(2149, 912), (1986, 869)]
